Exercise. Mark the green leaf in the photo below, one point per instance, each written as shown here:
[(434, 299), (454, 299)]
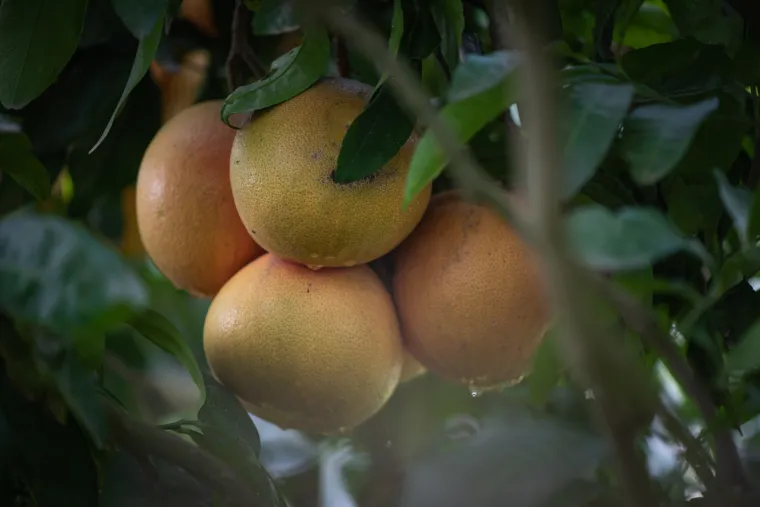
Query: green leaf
[(482, 88), (737, 201), (753, 225), (656, 137), (596, 111), (373, 138), (291, 74), (37, 40), (229, 433), (420, 37), (449, 18), (275, 17), (707, 21), (650, 25), (140, 16), (78, 384), (53, 273), (18, 161), (48, 461), (745, 357), (159, 330), (547, 369), (397, 28), (632, 238), (146, 50)]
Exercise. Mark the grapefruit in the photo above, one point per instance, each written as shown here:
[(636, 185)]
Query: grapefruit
[(318, 351), (281, 169), (186, 215), (469, 294)]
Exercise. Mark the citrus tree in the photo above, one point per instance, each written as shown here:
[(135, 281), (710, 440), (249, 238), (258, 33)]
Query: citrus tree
[(379, 253)]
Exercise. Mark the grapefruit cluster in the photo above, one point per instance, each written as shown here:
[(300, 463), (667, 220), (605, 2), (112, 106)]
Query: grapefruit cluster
[(301, 328)]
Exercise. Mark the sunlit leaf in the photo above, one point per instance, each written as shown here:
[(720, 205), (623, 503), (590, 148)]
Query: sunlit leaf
[(482, 88), (37, 39)]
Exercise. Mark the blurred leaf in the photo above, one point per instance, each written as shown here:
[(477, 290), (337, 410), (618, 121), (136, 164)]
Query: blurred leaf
[(140, 16), (737, 201), (547, 369), (707, 21), (449, 18), (158, 329), (693, 207), (126, 484), (543, 455), (373, 138), (275, 17), (737, 267), (653, 64), (291, 74), (397, 28), (146, 50), (745, 357), (78, 384), (753, 225), (52, 461), (37, 39), (596, 111), (229, 434), (54, 274), (420, 37), (18, 161), (656, 137), (481, 89), (632, 238)]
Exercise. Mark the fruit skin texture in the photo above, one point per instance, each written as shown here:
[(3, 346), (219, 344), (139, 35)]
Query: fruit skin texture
[(318, 351), (281, 171), (185, 212), (469, 294)]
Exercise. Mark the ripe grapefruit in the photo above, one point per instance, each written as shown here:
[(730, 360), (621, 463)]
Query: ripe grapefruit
[(469, 294), (318, 351), (185, 212), (281, 170)]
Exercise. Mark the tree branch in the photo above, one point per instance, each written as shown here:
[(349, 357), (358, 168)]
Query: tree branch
[(241, 56), (144, 439), (730, 469)]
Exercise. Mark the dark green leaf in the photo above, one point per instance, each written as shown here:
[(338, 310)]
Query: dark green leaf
[(745, 357), (656, 137), (275, 17), (475, 99), (707, 21), (397, 28), (229, 433), (652, 64), (126, 483), (373, 138), (420, 36), (693, 207), (291, 74), (78, 384), (449, 18), (158, 329), (51, 461), (596, 111), (632, 238), (753, 225), (140, 16), (37, 39), (146, 50), (737, 201), (53, 273), (18, 161)]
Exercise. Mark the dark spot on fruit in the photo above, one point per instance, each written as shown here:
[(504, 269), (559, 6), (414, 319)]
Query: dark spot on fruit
[(315, 155), (253, 232)]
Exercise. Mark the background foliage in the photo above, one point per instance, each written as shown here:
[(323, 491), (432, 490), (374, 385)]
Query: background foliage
[(105, 398)]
